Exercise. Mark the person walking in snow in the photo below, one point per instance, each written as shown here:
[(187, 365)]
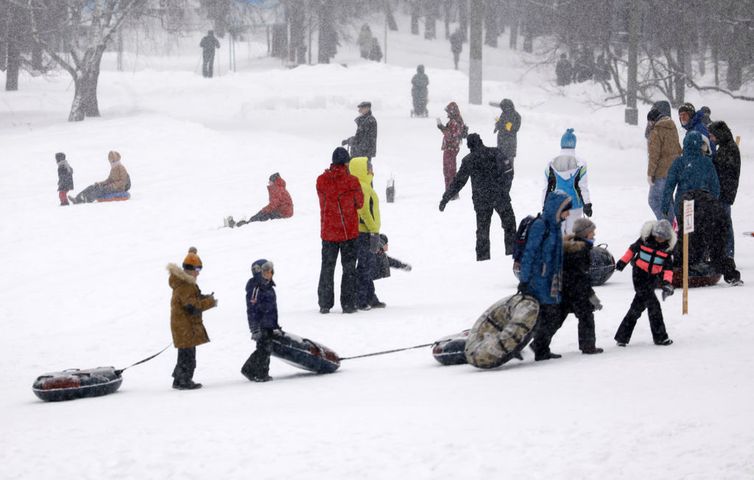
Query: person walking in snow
[(65, 178), (118, 181), (208, 45), (368, 242), (452, 134), (186, 307), (340, 198), (419, 83), (578, 296), (262, 315), (567, 173), (563, 71), (490, 172), (728, 167), (662, 149), (652, 259), (280, 204), (365, 41), (541, 274), (364, 142), (456, 46), (507, 126)]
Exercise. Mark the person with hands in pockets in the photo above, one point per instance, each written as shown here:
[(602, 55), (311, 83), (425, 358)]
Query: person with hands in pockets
[(262, 314)]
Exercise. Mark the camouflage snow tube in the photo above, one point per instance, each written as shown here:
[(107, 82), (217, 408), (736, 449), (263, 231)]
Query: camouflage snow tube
[(502, 331)]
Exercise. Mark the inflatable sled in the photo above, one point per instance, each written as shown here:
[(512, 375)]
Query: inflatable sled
[(602, 265), (304, 353), (114, 197), (700, 275), (74, 383), (502, 331), (450, 350)]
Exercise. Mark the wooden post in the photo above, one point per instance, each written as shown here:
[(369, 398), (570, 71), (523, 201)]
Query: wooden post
[(688, 227)]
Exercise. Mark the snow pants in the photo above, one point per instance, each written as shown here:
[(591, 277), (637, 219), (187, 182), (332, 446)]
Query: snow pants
[(185, 365), (260, 217), (366, 270), (549, 321), (484, 218), (644, 299), (326, 289), (585, 314), (449, 166), (258, 363), (208, 62)]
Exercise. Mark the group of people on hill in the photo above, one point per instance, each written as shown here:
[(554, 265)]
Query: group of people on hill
[(117, 183)]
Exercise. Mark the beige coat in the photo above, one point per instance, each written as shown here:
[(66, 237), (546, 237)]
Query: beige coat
[(117, 180), (663, 147), (186, 309)]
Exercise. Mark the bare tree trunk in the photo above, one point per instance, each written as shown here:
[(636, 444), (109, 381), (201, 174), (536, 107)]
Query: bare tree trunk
[(14, 64), (415, 12), (463, 18), (491, 30), (475, 52)]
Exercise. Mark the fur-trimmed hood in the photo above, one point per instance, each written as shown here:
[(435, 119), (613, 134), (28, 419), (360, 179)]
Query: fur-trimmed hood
[(646, 232), (178, 274), (573, 244)]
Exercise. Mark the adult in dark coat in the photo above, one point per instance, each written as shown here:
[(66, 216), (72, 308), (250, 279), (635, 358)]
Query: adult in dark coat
[(419, 84), (340, 198), (491, 173), (456, 46), (563, 71), (693, 121), (262, 315), (507, 127), (364, 143), (209, 44), (728, 167)]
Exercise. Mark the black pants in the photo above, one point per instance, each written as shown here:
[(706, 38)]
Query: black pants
[(208, 61), (260, 217), (258, 363), (549, 321), (326, 289), (585, 314), (483, 220), (366, 270), (185, 366), (644, 298), (89, 194)]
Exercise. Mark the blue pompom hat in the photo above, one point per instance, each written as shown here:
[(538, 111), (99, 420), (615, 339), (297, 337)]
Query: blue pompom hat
[(568, 140)]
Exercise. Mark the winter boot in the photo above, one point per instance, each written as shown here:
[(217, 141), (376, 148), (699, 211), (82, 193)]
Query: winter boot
[(665, 342), (592, 351), (229, 222), (265, 378)]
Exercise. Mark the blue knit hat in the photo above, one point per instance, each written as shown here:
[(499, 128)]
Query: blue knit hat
[(568, 140)]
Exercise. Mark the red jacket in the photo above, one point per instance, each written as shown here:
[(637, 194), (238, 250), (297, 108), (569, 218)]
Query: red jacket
[(280, 199), (340, 198)]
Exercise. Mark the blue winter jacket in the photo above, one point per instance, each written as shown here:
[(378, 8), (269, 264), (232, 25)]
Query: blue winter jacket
[(696, 125), (261, 303), (691, 171), (542, 262)]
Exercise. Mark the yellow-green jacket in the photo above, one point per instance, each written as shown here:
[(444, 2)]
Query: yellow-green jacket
[(369, 213)]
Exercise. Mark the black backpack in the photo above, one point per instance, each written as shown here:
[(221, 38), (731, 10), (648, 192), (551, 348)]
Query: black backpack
[(522, 235)]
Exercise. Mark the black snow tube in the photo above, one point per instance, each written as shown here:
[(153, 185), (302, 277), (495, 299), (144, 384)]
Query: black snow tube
[(602, 265), (304, 353), (700, 275), (74, 383), (502, 331), (450, 350)]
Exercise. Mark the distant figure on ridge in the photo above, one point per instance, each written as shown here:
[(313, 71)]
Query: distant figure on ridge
[(209, 44)]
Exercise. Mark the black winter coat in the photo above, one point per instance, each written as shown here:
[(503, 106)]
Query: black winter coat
[(506, 138), (490, 171), (577, 260), (65, 177), (261, 304), (727, 162), (364, 143)]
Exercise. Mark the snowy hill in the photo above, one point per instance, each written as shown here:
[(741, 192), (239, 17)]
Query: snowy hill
[(86, 285)]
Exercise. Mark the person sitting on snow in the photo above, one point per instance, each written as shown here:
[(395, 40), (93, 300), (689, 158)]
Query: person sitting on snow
[(118, 181), (567, 172), (279, 206)]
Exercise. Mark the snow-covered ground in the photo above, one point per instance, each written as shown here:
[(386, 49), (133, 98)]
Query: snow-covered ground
[(85, 285)]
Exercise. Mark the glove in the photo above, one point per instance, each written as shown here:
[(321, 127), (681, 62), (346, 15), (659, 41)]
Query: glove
[(442, 205), (256, 334), (667, 291), (620, 265), (407, 267), (523, 288), (588, 209), (344, 142), (650, 180), (595, 301)]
